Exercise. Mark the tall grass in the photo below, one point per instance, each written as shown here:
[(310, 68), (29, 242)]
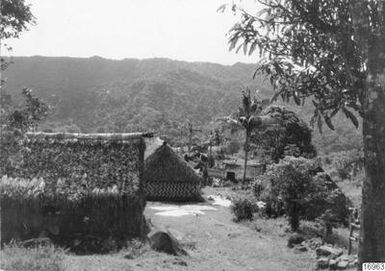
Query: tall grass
[(41, 258)]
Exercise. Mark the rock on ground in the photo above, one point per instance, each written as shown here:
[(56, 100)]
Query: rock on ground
[(329, 251), (165, 242)]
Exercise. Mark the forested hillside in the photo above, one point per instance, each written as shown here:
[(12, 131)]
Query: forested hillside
[(161, 95)]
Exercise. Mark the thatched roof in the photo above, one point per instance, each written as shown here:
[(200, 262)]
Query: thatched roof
[(164, 165), (101, 161), (105, 137)]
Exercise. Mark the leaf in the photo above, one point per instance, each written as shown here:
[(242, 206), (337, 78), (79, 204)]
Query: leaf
[(245, 48), (233, 42), (238, 48), (255, 73), (319, 123), (335, 111), (275, 96), (222, 8), (262, 11), (297, 100), (252, 48), (265, 103), (329, 122), (350, 116)]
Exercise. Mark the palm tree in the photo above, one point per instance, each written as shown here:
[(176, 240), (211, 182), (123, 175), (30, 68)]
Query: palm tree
[(250, 118), (249, 109)]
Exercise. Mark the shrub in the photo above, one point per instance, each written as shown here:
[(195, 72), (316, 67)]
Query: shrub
[(300, 188), (291, 186), (327, 220), (42, 258), (243, 208), (135, 248)]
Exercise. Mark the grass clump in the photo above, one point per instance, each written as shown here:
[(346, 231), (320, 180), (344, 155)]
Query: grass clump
[(41, 258), (243, 208), (135, 248)]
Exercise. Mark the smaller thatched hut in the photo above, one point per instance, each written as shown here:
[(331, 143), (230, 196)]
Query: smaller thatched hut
[(167, 177)]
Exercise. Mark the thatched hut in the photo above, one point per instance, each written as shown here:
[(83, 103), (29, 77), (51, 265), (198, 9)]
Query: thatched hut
[(167, 177), (75, 187)]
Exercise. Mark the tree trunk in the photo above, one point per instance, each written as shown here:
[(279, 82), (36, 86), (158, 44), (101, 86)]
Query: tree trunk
[(372, 233), (246, 149), (372, 241)]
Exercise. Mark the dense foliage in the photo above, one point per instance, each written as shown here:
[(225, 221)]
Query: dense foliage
[(345, 164), (291, 138), (23, 117), (15, 18), (310, 52), (299, 188)]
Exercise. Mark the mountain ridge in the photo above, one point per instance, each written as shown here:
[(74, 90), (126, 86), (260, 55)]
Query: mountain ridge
[(158, 94)]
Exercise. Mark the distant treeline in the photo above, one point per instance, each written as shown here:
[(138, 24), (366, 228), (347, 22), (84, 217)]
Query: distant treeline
[(160, 95)]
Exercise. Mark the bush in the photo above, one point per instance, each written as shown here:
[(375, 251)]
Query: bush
[(243, 208), (135, 248), (42, 258), (291, 186), (300, 188)]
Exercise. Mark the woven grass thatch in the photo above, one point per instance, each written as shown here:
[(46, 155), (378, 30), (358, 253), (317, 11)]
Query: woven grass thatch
[(92, 181), (167, 177)]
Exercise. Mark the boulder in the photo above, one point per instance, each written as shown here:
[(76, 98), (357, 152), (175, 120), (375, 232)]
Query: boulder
[(164, 242), (328, 251), (342, 265), (344, 258), (315, 243), (300, 248), (295, 239)]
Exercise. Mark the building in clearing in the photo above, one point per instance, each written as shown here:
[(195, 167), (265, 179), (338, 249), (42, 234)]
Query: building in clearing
[(167, 177)]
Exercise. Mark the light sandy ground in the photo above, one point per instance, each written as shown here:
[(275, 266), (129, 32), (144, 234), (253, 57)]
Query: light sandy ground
[(181, 210)]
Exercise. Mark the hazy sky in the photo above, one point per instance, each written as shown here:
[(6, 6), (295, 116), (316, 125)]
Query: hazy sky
[(190, 30)]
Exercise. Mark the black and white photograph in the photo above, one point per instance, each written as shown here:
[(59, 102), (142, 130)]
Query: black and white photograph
[(219, 135)]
